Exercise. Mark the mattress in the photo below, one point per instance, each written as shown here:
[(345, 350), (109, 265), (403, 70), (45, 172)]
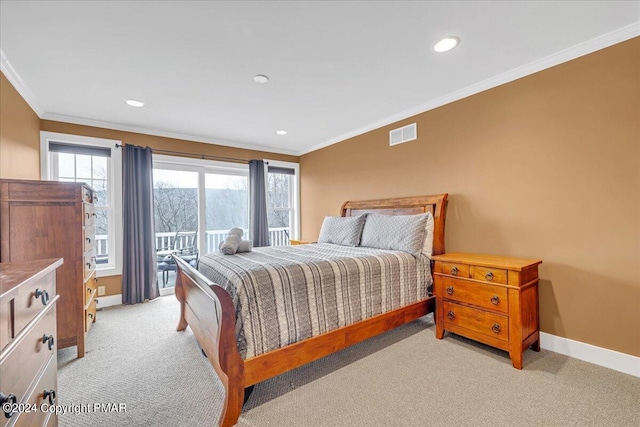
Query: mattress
[(286, 294)]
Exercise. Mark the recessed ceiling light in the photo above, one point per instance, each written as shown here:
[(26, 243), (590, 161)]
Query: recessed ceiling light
[(134, 103), (260, 78), (446, 44), (281, 132)]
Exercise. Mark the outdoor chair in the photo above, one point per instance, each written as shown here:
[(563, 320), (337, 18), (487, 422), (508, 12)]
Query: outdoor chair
[(185, 245)]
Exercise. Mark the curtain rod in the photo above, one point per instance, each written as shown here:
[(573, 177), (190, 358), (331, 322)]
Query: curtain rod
[(196, 156)]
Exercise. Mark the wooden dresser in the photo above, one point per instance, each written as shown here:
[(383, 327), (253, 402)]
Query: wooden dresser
[(488, 298), (28, 361), (49, 219)]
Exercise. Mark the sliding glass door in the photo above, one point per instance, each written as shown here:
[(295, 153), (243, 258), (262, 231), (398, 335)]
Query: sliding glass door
[(196, 203), (227, 206)]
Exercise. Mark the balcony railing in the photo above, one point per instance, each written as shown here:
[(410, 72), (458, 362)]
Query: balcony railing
[(278, 236)]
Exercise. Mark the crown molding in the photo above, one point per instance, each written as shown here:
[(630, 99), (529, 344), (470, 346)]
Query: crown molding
[(573, 52), (14, 78), (174, 135)]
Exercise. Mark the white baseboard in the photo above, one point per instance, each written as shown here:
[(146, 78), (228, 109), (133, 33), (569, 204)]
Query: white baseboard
[(611, 359), (109, 300)]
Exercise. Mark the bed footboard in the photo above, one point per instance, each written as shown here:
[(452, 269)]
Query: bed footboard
[(209, 311)]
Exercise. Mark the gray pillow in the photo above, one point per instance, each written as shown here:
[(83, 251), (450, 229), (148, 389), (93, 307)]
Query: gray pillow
[(396, 232), (340, 230)]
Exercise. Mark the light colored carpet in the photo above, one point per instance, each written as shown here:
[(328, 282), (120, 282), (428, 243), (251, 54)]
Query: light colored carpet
[(403, 378)]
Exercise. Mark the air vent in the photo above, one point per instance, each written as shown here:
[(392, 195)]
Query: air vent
[(403, 134)]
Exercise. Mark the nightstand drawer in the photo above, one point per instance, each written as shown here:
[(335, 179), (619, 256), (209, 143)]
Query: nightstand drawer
[(453, 269), (478, 321), (485, 296), (494, 275)]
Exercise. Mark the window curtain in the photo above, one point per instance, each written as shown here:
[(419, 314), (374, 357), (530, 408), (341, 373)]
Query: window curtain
[(139, 275), (258, 222)]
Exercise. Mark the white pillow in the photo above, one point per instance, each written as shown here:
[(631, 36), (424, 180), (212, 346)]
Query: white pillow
[(427, 246)]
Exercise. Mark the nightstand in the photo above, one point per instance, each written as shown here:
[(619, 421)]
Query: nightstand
[(300, 242), (488, 298)]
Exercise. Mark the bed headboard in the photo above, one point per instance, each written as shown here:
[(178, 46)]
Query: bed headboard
[(437, 205)]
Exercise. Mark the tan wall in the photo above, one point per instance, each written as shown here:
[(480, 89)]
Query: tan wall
[(19, 135), (113, 284), (546, 166)]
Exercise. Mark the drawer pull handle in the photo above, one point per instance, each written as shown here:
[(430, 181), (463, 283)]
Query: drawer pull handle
[(451, 315), (88, 265), (495, 328), (88, 240), (49, 340), (450, 290), (88, 290), (489, 276), (90, 315), (454, 271), (495, 300), (51, 395), (43, 295), (11, 400)]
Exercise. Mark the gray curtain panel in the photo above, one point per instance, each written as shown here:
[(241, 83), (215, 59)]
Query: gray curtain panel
[(259, 224), (139, 275)]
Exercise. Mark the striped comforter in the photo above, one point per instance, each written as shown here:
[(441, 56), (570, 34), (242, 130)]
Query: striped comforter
[(287, 294)]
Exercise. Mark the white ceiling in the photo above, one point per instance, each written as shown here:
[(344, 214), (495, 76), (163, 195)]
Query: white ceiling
[(336, 69)]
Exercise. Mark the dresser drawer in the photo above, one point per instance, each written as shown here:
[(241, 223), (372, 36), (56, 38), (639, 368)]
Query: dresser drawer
[(479, 321), (89, 214), (52, 421), (89, 264), (486, 274), (453, 269), (90, 287), (28, 357), (46, 384), (29, 301), (88, 196), (485, 296), (90, 315), (89, 238)]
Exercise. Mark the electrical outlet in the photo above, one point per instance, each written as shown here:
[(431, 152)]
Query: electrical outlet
[(101, 291)]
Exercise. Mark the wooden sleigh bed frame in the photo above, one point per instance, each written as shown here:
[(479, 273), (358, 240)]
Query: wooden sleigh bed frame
[(208, 309)]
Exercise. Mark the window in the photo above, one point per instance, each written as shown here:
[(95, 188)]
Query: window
[(282, 202), (97, 162)]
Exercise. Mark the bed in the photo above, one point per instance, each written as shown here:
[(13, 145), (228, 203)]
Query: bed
[(244, 352)]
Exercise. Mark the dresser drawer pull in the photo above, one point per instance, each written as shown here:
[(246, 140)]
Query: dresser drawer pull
[(451, 315), (49, 340), (8, 402), (51, 395), (489, 276), (90, 315), (88, 239), (43, 295), (88, 290), (495, 300), (89, 265), (454, 271), (450, 290), (495, 328)]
